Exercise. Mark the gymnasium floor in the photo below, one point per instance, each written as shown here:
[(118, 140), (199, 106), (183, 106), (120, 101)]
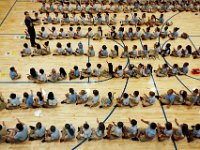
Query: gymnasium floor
[(11, 43)]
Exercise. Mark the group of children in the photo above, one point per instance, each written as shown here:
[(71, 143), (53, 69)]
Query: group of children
[(126, 6), (121, 34), (29, 101), (132, 71), (113, 131), (104, 53), (90, 19), (171, 97)]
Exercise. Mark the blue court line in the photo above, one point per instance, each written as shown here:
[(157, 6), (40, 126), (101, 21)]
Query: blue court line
[(163, 110), (83, 141), (8, 13)]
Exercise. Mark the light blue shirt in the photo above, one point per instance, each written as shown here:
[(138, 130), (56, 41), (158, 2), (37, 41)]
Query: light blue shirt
[(21, 135), (73, 97), (29, 100), (150, 132), (55, 135), (40, 132), (13, 75), (96, 99)]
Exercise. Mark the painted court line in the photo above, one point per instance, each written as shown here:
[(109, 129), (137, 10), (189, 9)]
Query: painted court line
[(8, 13)]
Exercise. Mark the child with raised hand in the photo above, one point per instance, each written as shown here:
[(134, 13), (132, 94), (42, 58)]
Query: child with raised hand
[(13, 102), (181, 132), (71, 97), (26, 51), (75, 73), (18, 134), (82, 97), (98, 133), (148, 133), (13, 74), (148, 100), (166, 132), (68, 133), (37, 132), (107, 102), (94, 101), (114, 131), (51, 135)]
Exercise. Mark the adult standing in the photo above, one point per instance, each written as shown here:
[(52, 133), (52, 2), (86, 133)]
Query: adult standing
[(31, 30)]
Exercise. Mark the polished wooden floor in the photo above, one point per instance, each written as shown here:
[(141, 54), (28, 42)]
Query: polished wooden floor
[(11, 45)]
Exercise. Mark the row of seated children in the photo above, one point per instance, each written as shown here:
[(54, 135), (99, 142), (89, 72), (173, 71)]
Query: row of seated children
[(132, 100), (28, 101), (166, 70), (170, 98), (187, 52), (132, 71), (114, 130), (93, 7), (147, 35), (83, 19), (98, 20), (113, 34)]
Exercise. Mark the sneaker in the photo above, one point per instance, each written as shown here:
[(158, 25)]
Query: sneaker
[(100, 106)]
